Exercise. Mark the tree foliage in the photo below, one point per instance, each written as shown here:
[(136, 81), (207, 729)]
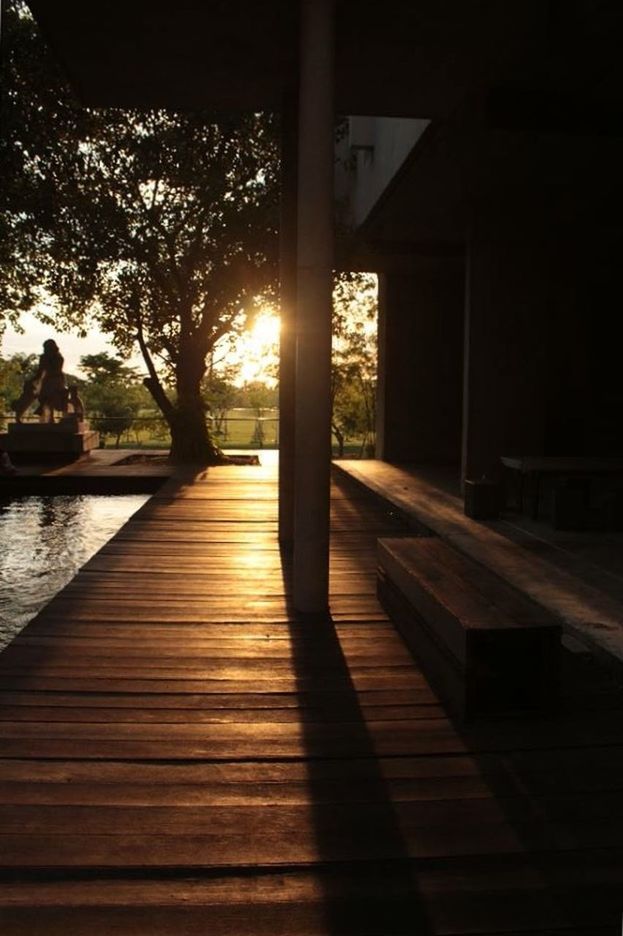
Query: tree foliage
[(111, 393), (14, 371), (258, 396), (220, 393), (38, 124), (160, 226), (354, 360), (104, 368)]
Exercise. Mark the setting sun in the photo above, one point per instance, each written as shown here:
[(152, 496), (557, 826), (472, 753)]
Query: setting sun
[(257, 349), (265, 331)]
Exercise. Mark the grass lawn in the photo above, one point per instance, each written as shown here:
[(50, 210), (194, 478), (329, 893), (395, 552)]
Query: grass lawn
[(240, 429)]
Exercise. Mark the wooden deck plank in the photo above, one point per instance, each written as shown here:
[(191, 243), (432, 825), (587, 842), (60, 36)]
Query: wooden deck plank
[(338, 701), (265, 837), (580, 733), (53, 627), (168, 713), (230, 793), (389, 900), (435, 768), (168, 649)]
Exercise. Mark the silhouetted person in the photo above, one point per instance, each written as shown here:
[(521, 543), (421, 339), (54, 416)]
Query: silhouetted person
[(47, 386), (53, 390)]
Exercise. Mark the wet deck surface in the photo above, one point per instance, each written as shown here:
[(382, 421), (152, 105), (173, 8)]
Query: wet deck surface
[(181, 755)]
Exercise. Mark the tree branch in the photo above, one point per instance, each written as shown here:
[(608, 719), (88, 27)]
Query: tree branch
[(153, 381)]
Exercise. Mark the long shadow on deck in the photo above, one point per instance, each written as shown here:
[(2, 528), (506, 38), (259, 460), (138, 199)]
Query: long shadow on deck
[(364, 865)]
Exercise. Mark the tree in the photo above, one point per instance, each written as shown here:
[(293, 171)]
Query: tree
[(162, 227), (353, 366), (258, 396), (37, 145), (13, 372), (113, 399), (104, 368), (220, 393), (113, 411)]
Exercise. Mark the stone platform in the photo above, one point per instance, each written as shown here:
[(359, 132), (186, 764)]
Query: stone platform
[(69, 437)]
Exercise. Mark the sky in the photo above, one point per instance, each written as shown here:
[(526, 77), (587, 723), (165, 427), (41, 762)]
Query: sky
[(72, 347), (255, 351)]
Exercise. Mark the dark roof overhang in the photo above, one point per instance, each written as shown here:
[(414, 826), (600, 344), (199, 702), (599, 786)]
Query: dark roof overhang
[(398, 57)]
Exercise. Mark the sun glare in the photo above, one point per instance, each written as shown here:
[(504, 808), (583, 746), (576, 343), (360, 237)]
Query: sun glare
[(265, 332), (257, 349)]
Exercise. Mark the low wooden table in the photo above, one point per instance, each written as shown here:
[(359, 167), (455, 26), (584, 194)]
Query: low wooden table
[(535, 467)]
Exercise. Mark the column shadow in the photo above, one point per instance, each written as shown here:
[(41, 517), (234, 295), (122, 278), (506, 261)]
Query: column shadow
[(366, 871), (363, 862)]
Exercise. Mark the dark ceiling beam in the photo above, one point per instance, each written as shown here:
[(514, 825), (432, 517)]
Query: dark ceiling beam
[(397, 58)]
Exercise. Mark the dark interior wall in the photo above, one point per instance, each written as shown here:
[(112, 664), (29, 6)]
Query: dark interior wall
[(585, 352), (601, 302), (543, 302), (420, 379), (568, 409), (505, 385), (544, 348), (543, 365)]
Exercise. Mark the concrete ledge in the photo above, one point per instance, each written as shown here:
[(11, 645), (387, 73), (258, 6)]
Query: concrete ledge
[(49, 439), (102, 471)]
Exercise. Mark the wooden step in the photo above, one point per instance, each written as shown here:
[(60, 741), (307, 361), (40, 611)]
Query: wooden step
[(486, 647)]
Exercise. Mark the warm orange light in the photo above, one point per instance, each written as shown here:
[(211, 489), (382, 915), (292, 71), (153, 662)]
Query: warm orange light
[(258, 348), (265, 332)]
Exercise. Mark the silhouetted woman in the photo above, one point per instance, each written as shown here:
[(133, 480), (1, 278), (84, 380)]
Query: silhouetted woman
[(53, 390)]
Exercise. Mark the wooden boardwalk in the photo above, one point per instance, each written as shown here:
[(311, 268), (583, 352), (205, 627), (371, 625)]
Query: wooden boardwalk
[(181, 756)]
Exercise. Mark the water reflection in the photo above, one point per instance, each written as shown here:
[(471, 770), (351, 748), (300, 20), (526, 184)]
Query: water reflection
[(44, 541)]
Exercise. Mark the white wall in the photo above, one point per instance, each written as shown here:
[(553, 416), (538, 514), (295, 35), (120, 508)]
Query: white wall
[(368, 158)]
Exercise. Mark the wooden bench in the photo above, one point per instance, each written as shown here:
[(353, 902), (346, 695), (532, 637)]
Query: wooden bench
[(532, 469), (485, 647)]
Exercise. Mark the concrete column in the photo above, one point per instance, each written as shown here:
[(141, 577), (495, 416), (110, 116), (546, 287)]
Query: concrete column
[(420, 362), (287, 340), (313, 346), (506, 331)]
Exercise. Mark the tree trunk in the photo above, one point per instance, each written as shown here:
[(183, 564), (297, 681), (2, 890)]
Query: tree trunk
[(190, 438), (339, 436), (191, 441)]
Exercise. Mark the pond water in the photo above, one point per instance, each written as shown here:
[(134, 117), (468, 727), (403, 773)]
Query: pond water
[(44, 541)]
